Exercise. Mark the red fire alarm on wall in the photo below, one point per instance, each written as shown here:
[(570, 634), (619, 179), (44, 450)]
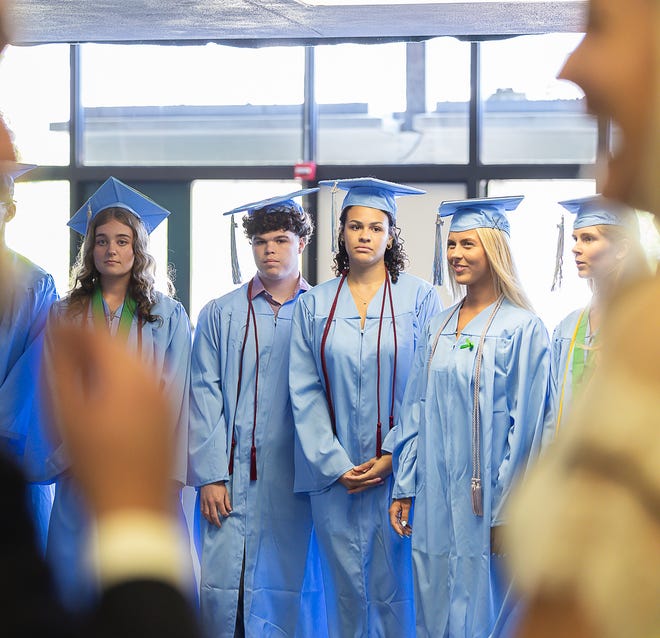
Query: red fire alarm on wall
[(305, 171)]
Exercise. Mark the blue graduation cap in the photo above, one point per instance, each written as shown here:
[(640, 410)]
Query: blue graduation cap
[(273, 204), (115, 193), (595, 210), (469, 214), (592, 210), (9, 172), (270, 205), (366, 191), (371, 192), (486, 212)]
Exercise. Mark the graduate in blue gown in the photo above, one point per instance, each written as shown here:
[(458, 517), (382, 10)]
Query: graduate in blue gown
[(114, 290), (607, 252), (456, 458), (23, 314), (255, 531), (352, 345)]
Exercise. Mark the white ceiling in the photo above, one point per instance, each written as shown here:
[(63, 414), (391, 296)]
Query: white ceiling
[(250, 22)]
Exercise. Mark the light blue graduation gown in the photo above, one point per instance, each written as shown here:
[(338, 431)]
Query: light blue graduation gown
[(269, 525), (366, 566), (166, 348), (459, 587), (561, 373), (22, 321)]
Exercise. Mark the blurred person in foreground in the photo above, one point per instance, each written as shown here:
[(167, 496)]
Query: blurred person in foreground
[(138, 555), (111, 415), (584, 538)]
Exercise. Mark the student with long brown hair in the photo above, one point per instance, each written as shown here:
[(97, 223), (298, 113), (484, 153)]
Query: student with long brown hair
[(114, 291)]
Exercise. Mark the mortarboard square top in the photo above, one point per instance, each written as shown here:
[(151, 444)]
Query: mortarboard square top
[(274, 203), (10, 171), (371, 192), (486, 212), (595, 210), (113, 193)]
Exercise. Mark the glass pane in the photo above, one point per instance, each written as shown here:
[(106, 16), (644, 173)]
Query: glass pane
[(534, 233), (444, 128), (39, 230), (247, 109), (529, 115), (36, 107), (211, 233), (365, 117), (359, 113), (415, 217)]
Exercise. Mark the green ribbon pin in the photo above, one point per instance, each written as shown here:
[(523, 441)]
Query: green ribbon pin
[(467, 344)]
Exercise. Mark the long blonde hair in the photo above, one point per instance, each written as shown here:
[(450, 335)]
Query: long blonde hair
[(505, 276)]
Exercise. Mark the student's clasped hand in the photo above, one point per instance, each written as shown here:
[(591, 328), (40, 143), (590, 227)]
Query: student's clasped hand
[(369, 474)]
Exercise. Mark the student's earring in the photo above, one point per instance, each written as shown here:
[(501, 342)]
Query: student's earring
[(390, 244)]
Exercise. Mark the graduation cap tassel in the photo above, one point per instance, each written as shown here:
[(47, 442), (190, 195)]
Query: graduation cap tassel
[(231, 454), (379, 443), (253, 463), (235, 267), (559, 258), (334, 217), (438, 254)]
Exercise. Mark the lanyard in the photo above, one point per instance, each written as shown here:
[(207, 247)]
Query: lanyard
[(251, 314), (578, 364), (387, 292), (475, 481), (582, 365), (128, 312)]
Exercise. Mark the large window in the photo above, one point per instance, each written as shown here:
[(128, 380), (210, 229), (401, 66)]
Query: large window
[(225, 125), (191, 105)]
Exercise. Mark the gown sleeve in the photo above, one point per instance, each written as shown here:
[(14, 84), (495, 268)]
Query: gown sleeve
[(19, 392), (554, 389), (527, 375), (319, 457), (176, 384), (208, 460), (426, 309)]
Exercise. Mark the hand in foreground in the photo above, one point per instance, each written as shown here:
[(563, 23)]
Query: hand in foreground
[(214, 502), (369, 474), (400, 515), (114, 421)]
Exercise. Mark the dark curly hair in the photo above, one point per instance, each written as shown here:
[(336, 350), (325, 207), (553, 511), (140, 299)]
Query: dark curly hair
[(86, 277), (283, 218), (395, 257)]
